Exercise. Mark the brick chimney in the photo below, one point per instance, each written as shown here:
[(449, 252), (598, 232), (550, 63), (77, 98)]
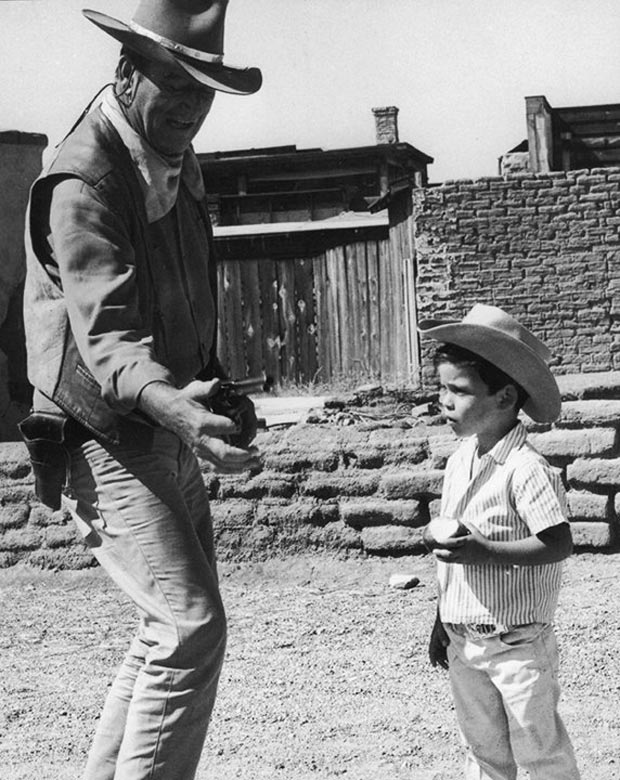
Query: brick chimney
[(386, 124)]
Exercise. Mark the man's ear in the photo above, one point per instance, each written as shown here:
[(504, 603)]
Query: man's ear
[(126, 81)]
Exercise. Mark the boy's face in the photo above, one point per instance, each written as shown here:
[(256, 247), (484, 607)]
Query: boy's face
[(468, 405)]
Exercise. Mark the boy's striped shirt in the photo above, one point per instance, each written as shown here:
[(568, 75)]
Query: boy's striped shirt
[(513, 494)]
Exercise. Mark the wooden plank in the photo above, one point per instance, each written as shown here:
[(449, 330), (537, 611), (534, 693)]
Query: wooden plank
[(288, 318), (306, 320), (324, 368), (387, 312), (333, 259), (232, 319), (589, 114), (271, 341), (252, 323), (583, 130), (222, 322), (351, 321), (343, 311), (374, 317)]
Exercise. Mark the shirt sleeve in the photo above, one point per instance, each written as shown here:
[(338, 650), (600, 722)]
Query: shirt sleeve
[(96, 263), (540, 497)]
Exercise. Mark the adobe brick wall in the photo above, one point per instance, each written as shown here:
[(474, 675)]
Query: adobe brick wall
[(353, 480), (544, 246)]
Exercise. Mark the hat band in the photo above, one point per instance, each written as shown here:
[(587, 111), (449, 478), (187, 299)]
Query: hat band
[(203, 56)]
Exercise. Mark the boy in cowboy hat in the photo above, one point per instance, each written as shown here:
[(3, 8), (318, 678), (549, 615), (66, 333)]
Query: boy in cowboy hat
[(121, 331), (499, 574)]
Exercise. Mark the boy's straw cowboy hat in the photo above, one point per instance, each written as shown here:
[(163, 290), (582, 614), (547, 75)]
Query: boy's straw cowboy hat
[(187, 36), (497, 337)]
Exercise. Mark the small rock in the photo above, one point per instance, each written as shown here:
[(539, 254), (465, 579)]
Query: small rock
[(404, 581)]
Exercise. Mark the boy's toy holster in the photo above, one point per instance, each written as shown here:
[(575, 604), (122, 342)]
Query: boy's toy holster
[(49, 437)]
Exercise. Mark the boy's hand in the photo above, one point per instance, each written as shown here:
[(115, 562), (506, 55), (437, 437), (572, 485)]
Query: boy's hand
[(473, 548), (438, 645)]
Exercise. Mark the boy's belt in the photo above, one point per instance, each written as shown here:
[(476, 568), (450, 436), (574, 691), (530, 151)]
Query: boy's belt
[(483, 629)]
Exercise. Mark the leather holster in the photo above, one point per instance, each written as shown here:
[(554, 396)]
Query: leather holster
[(49, 437)]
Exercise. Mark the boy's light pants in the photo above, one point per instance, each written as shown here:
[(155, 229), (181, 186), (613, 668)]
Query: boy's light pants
[(506, 694), (145, 515)]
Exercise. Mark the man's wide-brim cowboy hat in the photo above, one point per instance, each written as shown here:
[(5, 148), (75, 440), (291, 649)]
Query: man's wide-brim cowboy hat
[(497, 337), (185, 35)]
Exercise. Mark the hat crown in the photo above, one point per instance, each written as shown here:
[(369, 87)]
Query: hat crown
[(493, 317), (196, 24)]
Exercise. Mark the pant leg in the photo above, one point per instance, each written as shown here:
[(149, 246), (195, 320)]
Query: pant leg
[(479, 711), (148, 524), (525, 672)]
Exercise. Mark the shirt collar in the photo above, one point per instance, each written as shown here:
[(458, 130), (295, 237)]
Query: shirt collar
[(159, 176)]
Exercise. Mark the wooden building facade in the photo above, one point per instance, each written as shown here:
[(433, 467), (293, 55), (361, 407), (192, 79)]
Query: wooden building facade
[(316, 285)]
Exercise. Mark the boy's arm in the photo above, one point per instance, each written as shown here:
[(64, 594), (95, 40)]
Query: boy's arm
[(549, 546)]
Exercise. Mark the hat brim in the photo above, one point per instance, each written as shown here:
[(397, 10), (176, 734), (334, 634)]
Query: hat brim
[(513, 357), (219, 76)]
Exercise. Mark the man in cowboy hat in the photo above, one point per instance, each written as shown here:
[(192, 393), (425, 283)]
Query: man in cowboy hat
[(121, 330), (499, 575)]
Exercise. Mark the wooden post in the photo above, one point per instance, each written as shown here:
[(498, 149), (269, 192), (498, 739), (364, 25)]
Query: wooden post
[(539, 133)]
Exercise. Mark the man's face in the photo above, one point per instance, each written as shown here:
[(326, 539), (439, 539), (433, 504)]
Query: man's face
[(168, 109)]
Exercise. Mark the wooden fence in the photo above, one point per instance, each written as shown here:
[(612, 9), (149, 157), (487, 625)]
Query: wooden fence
[(346, 312)]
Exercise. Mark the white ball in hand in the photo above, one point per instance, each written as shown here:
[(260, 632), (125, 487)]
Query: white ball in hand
[(444, 528)]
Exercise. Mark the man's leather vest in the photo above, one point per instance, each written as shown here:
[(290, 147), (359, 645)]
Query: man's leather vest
[(95, 154)]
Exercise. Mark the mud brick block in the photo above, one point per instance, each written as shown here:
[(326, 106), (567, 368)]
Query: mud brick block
[(14, 515), (294, 462), (588, 413), (440, 449), (59, 536), (373, 512), (341, 484), (571, 443), (406, 452), (42, 516), (20, 539), (304, 437), (391, 540), (411, 483), (266, 483), (295, 514), (587, 506), (8, 559), (71, 558), (232, 513), (594, 473), (14, 462), (591, 534)]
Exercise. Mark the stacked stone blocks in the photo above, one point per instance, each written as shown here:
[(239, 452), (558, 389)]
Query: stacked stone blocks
[(358, 488)]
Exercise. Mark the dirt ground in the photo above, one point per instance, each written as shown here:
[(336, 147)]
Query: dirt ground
[(326, 674)]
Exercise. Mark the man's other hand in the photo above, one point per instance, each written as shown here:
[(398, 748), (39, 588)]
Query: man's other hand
[(185, 412)]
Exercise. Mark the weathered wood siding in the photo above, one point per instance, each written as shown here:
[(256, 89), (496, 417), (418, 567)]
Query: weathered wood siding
[(344, 313)]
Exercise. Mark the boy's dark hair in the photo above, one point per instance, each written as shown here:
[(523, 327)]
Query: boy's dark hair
[(492, 376)]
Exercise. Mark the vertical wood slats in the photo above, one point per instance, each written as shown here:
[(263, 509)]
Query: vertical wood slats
[(339, 314)]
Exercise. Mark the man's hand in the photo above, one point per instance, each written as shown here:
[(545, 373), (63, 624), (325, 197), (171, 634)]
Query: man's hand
[(185, 413), (438, 645)]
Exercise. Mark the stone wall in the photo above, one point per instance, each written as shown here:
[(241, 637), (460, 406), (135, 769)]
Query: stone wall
[(546, 247), (360, 477)]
